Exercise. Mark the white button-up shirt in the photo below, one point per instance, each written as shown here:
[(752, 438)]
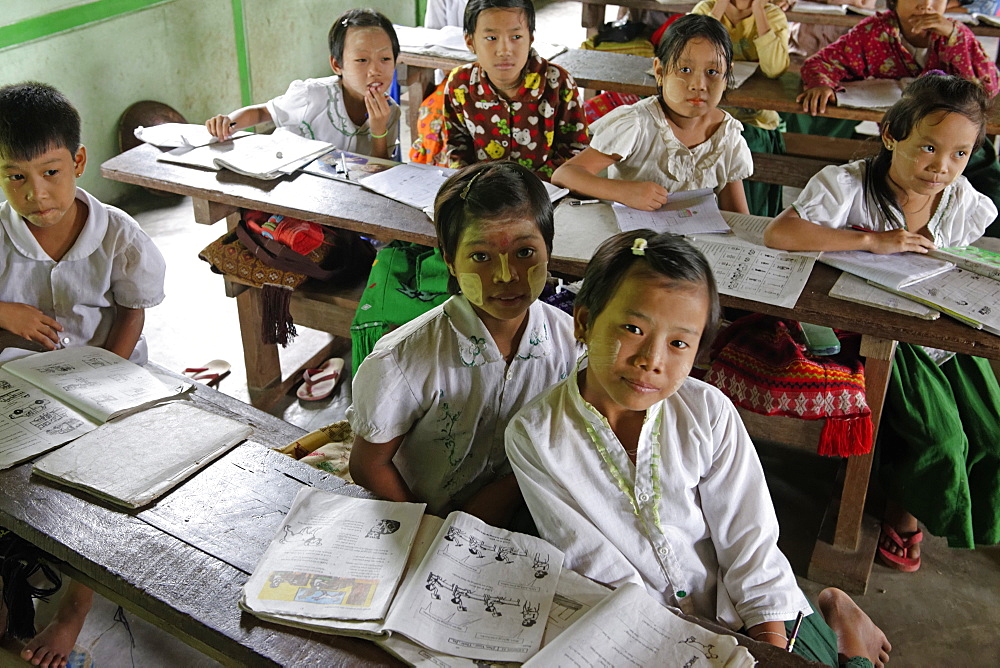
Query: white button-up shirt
[(112, 262), (441, 380), (692, 520)]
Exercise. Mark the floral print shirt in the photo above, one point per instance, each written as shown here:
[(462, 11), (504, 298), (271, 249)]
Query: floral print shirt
[(541, 127), (876, 48)]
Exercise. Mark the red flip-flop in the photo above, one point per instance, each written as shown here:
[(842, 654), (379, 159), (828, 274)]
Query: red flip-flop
[(320, 383), (210, 373), (901, 562)]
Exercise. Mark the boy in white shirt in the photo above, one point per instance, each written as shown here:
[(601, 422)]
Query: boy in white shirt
[(73, 272), (350, 110)]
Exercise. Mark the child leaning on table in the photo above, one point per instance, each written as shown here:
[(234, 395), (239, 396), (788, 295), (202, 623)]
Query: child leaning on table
[(642, 474), (351, 109), (940, 428), (677, 140), (73, 272), (433, 398)]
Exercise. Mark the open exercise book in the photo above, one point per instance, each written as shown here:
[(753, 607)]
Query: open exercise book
[(895, 271), (346, 166), (258, 156), (691, 212), (51, 398), (446, 592), (417, 185)]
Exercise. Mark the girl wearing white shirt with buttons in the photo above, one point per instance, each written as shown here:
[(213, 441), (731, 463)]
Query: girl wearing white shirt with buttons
[(432, 400), (642, 474)]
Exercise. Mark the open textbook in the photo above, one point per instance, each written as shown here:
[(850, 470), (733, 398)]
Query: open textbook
[(971, 258), (470, 590), (417, 185), (896, 270), (629, 628), (257, 156), (691, 212), (964, 295), (50, 398), (175, 439)]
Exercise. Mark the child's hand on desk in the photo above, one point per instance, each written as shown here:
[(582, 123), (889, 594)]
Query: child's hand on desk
[(814, 100), (642, 195), (378, 111), (220, 127), (30, 323), (898, 241)]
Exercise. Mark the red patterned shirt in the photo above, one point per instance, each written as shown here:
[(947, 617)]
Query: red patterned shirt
[(876, 48), (541, 127)]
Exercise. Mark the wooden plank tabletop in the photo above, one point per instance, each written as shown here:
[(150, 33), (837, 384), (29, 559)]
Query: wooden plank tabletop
[(304, 196), (182, 562)]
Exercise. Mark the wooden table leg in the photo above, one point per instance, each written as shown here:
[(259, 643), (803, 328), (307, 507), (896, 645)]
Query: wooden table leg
[(419, 84), (845, 550), (593, 17)]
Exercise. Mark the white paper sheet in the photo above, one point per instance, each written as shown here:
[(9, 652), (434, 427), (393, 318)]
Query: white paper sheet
[(743, 269), (692, 212), (854, 289), (872, 93)]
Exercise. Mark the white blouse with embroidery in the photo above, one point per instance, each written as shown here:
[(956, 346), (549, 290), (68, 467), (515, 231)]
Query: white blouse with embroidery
[(441, 380), (314, 109), (692, 520), (641, 134)]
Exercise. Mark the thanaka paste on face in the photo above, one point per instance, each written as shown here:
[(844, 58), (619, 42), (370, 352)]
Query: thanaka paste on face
[(472, 287), (537, 275), (504, 268)]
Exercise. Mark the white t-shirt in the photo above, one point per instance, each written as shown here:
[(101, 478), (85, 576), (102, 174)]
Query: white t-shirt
[(835, 198), (692, 520), (641, 134), (441, 13), (441, 380), (112, 262), (315, 109)]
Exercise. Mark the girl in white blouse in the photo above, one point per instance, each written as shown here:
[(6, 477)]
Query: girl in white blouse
[(432, 400), (642, 474), (678, 140), (939, 440)]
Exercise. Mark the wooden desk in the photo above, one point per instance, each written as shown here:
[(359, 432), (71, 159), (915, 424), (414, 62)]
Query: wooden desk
[(844, 560), (181, 562)]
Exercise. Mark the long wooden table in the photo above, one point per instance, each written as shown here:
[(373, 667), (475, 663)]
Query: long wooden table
[(844, 559), (181, 562)]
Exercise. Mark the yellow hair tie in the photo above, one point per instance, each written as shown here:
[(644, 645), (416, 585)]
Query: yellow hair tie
[(639, 247)]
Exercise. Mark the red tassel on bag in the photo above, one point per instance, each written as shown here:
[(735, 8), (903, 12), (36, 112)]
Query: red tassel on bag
[(846, 436)]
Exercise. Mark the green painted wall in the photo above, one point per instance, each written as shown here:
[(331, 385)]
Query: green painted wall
[(180, 52)]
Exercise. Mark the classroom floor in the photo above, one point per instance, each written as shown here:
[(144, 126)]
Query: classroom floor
[(946, 614)]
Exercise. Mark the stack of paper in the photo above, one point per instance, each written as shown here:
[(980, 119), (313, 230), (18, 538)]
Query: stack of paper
[(258, 156), (851, 288)]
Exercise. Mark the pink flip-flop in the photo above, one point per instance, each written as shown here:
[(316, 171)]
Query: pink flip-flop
[(320, 383), (210, 373), (901, 562)]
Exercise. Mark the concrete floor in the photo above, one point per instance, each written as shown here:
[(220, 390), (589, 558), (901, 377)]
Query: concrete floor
[(944, 615)]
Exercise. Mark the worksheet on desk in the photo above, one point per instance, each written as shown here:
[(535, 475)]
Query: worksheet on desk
[(691, 212), (743, 269), (969, 295), (32, 422)]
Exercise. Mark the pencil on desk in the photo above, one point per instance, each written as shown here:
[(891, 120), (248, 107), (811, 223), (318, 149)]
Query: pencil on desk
[(343, 166)]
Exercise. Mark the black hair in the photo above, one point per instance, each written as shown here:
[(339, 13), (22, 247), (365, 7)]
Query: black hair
[(35, 118), (667, 255), (359, 18), (930, 94), (891, 4), (489, 191), (477, 7), (694, 26)]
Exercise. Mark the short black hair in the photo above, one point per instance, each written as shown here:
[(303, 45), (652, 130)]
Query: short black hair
[(490, 191), (694, 26), (477, 7), (359, 18), (667, 255), (35, 118)]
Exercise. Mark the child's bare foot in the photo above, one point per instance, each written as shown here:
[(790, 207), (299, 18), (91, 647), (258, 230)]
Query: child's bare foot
[(899, 542), (52, 647), (857, 634)]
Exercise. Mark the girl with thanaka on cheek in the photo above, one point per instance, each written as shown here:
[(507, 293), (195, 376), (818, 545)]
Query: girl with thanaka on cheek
[(675, 141), (433, 398), (642, 474), (939, 439)]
